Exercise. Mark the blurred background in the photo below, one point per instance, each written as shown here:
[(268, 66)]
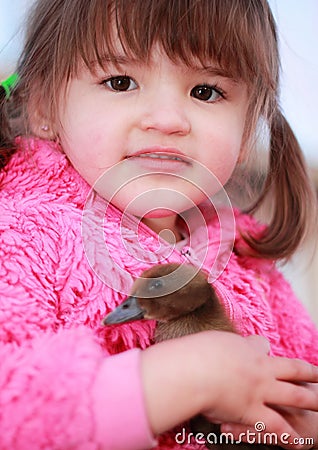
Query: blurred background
[(297, 23)]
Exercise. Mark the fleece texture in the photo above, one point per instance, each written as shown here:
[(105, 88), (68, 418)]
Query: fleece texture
[(67, 258)]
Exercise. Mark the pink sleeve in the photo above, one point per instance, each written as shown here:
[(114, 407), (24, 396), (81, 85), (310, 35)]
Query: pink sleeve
[(51, 377), (118, 385), (60, 391)]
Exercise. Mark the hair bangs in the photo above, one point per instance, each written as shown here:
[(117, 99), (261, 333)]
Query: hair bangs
[(229, 34)]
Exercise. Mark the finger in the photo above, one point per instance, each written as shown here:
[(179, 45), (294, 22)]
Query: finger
[(236, 429), (293, 395), (288, 437), (272, 429), (295, 370), (260, 435)]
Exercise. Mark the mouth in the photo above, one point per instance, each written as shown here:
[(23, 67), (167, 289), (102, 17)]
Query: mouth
[(161, 158)]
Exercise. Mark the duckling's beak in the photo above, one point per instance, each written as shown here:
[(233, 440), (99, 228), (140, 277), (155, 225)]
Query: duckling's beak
[(128, 311)]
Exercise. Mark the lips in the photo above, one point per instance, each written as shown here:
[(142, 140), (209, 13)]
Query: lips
[(161, 154)]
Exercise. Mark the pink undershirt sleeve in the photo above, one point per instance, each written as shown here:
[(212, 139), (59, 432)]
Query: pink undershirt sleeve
[(119, 407)]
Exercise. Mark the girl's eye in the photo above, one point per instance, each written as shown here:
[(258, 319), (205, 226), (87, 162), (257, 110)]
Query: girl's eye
[(207, 93), (120, 84)]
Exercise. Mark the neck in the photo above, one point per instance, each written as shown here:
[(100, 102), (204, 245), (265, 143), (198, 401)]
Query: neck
[(166, 227)]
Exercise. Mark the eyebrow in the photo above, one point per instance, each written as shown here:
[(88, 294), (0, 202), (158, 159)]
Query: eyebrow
[(216, 71), (212, 70), (115, 59)]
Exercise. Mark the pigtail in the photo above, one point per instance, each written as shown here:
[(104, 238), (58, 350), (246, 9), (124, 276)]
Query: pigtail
[(6, 138), (289, 190)]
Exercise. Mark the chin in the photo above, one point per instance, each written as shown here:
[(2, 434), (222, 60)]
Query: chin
[(154, 203), (150, 211)]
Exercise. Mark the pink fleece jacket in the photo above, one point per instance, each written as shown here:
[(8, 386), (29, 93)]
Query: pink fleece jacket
[(61, 270)]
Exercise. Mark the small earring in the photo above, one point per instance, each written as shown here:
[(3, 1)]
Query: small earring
[(45, 128)]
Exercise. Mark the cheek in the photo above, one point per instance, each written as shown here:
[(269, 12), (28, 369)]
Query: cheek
[(221, 159), (91, 147), (222, 149), (80, 131)]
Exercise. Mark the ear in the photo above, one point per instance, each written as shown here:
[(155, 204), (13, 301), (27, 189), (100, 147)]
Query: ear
[(41, 128), (40, 123)]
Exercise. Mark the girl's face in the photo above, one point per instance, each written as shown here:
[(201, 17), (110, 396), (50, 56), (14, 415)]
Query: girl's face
[(157, 130)]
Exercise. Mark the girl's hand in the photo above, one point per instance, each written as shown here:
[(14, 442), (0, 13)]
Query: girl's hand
[(305, 422), (271, 383), (226, 377)]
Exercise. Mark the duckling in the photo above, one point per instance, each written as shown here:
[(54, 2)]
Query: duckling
[(179, 297), (182, 301)]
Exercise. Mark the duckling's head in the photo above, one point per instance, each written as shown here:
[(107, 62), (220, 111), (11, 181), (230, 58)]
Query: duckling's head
[(164, 292)]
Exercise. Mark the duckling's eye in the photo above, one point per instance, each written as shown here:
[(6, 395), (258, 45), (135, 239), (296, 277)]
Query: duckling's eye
[(156, 283)]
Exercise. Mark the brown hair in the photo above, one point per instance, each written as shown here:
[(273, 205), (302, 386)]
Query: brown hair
[(239, 35)]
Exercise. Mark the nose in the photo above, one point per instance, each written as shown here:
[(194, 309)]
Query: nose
[(165, 114)]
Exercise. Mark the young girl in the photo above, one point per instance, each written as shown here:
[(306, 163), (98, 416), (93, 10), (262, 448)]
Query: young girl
[(155, 105)]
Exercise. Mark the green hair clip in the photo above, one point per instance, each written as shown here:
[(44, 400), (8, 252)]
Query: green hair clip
[(9, 84)]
